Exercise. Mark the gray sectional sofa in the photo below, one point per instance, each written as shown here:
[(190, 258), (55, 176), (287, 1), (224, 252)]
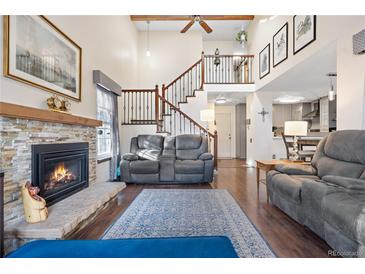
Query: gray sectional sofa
[(329, 195), (159, 159)]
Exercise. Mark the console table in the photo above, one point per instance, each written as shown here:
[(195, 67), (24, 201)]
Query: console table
[(267, 165)]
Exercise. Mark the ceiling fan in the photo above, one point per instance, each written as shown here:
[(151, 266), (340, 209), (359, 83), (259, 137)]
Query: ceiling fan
[(197, 18)]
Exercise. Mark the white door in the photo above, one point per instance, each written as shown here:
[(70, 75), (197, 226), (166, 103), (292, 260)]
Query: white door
[(223, 123)]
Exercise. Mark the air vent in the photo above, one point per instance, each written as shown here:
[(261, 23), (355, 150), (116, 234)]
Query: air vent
[(358, 42)]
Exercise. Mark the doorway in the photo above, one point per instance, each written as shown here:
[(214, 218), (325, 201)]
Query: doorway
[(224, 129)]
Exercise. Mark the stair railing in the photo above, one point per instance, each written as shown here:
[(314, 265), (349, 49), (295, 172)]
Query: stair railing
[(139, 106)]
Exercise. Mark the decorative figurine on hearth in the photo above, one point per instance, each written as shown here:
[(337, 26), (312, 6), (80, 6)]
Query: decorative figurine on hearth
[(35, 209)]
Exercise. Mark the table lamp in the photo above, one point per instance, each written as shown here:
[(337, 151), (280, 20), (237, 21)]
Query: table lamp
[(207, 115), (295, 129)]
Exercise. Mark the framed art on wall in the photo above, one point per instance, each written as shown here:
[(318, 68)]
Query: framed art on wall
[(264, 62), (280, 45), (36, 52), (304, 31)]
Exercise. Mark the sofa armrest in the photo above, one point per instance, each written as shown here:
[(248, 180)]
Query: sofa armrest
[(130, 157), (346, 182), (206, 156), (295, 169)]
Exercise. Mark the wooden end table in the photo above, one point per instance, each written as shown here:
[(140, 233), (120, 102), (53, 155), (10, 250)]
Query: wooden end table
[(267, 165)]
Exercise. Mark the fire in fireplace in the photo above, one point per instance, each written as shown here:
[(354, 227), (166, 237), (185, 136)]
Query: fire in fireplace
[(59, 176), (59, 170)]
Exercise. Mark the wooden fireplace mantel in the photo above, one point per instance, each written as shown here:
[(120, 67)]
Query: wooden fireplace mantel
[(29, 113)]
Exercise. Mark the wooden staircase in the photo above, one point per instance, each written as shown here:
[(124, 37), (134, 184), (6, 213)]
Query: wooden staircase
[(152, 107)]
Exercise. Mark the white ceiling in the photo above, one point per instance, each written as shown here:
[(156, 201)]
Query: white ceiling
[(307, 79), (222, 30)]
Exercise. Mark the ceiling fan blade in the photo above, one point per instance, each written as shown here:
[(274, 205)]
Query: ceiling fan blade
[(205, 26), (188, 26)]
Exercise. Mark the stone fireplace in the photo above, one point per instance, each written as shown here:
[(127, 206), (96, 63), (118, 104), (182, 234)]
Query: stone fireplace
[(60, 170)]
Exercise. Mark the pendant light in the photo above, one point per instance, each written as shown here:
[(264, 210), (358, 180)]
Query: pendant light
[(331, 92), (148, 52)]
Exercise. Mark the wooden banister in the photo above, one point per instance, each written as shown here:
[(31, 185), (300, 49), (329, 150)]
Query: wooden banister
[(182, 74), (202, 71), (157, 116)]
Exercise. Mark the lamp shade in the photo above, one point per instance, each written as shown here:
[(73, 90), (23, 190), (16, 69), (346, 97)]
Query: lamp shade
[(296, 128), (207, 115)]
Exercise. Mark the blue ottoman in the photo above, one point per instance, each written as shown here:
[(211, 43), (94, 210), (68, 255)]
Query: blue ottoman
[(182, 247)]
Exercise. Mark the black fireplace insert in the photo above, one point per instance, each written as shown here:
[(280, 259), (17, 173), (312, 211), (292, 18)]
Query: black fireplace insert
[(60, 170)]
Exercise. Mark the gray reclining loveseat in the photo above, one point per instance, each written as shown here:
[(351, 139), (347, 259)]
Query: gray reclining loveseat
[(328, 196), (159, 159)]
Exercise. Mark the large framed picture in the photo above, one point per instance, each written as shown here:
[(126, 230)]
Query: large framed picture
[(304, 31), (280, 46), (36, 52), (264, 62)]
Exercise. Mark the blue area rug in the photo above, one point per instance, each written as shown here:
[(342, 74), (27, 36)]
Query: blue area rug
[(190, 212)]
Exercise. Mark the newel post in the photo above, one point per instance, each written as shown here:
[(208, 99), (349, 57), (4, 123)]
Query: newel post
[(215, 150), (163, 95), (156, 105), (203, 71)]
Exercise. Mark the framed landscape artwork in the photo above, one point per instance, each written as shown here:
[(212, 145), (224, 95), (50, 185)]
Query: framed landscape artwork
[(36, 52), (264, 62), (304, 31), (280, 45)]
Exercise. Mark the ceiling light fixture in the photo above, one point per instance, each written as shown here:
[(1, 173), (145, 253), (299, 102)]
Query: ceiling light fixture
[(148, 52), (331, 92), (221, 100), (288, 99)]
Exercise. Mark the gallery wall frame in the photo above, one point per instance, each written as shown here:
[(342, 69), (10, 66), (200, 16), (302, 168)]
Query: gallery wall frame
[(38, 53), (280, 43), (264, 61), (304, 31)]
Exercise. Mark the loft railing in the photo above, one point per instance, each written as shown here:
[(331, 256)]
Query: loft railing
[(228, 69)]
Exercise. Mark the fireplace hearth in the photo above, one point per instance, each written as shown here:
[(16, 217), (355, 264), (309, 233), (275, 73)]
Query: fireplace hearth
[(60, 170)]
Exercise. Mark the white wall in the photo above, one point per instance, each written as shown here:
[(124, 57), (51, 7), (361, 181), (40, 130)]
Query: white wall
[(195, 105), (171, 54), (225, 47), (259, 136), (350, 85), (114, 50), (232, 111)]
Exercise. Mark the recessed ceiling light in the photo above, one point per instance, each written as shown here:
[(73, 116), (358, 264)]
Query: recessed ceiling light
[(289, 99), (220, 100)]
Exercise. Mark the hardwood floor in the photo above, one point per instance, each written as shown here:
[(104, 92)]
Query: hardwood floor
[(286, 237)]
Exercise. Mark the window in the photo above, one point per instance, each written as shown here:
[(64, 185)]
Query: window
[(104, 133)]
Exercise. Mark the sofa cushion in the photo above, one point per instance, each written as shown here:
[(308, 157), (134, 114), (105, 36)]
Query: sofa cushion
[(346, 145), (189, 166), (190, 147), (188, 141), (150, 142), (149, 154), (286, 186), (330, 166), (144, 167), (344, 211)]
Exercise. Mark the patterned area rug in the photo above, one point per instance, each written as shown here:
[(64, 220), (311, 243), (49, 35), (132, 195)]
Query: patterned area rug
[(190, 212)]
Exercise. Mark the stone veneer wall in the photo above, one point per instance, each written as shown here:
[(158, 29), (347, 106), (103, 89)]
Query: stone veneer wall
[(16, 138)]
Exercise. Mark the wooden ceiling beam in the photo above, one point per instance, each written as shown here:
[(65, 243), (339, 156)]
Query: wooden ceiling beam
[(189, 17)]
